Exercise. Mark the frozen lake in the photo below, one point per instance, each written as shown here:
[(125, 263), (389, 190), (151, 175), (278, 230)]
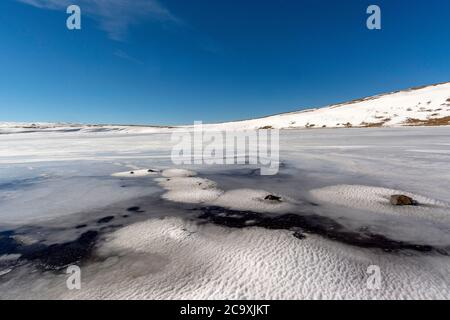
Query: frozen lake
[(158, 235)]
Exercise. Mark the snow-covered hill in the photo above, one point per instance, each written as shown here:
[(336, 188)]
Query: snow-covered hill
[(429, 105), (424, 106)]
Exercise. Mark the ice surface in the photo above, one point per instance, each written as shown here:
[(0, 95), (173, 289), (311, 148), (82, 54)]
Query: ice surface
[(62, 195), (344, 174)]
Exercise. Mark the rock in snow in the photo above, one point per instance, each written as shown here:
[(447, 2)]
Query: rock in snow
[(402, 200), (271, 197)]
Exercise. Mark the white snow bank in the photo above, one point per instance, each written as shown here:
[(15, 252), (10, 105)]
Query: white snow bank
[(253, 200), (136, 173), (171, 173), (9, 257), (186, 183), (6, 271), (186, 189), (376, 199), (190, 261), (195, 195)]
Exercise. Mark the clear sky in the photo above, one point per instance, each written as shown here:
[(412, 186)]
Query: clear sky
[(176, 61)]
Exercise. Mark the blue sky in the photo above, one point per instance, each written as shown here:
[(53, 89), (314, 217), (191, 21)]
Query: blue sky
[(176, 61)]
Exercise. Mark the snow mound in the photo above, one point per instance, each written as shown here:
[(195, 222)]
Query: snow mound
[(376, 199), (136, 173), (189, 189), (6, 271), (183, 183), (253, 200), (190, 261), (172, 173), (192, 196), (9, 257), (183, 187)]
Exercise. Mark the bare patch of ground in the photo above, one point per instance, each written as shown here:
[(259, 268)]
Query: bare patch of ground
[(371, 125), (375, 124), (445, 121)]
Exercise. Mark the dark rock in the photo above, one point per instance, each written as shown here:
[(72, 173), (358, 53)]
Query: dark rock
[(402, 200), (131, 172), (271, 197), (81, 226), (299, 235), (135, 209)]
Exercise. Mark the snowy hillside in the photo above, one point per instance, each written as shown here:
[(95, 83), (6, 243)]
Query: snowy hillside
[(428, 105), (25, 127), (424, 106)]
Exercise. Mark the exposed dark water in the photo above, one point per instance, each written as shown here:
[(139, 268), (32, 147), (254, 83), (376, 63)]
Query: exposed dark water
[(7, 244), (50, 257), (57, 256)]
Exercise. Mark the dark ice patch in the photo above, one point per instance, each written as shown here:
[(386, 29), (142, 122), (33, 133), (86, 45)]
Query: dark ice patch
[(7, 244), (54, 256), (57, 256), (105, 219), (6, 233), (111, 228), (310, 223)]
